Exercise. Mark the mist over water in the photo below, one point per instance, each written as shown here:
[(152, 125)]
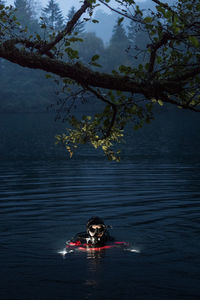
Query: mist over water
[(150, 200)]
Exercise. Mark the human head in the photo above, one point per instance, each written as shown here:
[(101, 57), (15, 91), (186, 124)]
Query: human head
[(96, 227)]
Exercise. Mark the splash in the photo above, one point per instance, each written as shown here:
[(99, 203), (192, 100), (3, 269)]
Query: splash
[(65, 251), (133, 250)]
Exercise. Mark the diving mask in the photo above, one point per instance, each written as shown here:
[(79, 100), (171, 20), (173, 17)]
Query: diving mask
[(96, 230)]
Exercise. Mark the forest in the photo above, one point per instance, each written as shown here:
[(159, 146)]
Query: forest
[(150, 62), (25, 90)]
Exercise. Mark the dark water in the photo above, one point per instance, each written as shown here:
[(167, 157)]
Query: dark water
[(151, 201)]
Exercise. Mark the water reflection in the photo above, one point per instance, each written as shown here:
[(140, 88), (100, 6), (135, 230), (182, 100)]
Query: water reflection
[(94, 265), (90, 283), (94, 258)]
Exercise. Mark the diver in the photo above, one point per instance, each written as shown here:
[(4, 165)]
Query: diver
[(96, 234)]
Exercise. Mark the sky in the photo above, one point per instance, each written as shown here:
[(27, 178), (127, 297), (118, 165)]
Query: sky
[(65, 5), (102, 29)]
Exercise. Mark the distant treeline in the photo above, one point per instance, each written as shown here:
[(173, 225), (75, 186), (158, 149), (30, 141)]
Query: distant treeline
[(25, 90)]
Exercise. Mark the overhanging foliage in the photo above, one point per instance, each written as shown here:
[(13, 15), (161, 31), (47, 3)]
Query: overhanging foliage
[(168, 72)]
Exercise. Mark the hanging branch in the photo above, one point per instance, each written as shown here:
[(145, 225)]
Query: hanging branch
[(114, 108)]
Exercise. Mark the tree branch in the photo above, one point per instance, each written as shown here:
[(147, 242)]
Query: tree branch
[(29, 44), (165, 5), (166, 99), (182, 77), (114, 108), (155, 48), (76, 71), (150, 89), (68, 28), (132, 18)]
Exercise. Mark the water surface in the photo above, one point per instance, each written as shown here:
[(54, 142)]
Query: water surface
[(151, 199), (154, 206)]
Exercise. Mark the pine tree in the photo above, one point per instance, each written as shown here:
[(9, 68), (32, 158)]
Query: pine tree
[(26, 14), (79, 27), (131, 33), (117, 50), (119, 37), (91, 44), (52, 16), (23, 13)]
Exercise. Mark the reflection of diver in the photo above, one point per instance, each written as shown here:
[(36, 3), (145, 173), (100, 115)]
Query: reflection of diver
[(96, 234)]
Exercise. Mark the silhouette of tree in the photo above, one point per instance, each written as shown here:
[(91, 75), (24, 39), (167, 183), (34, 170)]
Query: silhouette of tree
[(118, 47), (52, 16), (25, 14)]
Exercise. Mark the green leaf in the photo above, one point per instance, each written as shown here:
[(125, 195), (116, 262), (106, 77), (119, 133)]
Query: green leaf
[(95, 57), (43, 26), (140, 67), (95, 64), (160, 102), (159, 59), (72, 53), (75, 39), (148, 20), (120, 20), (168, 14), (194, 41), (160, 9), (38, 37), (147, 66)]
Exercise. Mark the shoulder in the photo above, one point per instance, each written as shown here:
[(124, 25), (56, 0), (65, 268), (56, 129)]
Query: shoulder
[(109, 237), (81, 236)]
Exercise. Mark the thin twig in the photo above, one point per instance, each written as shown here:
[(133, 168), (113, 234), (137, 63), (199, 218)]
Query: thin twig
[(114, 108), (68, 28)]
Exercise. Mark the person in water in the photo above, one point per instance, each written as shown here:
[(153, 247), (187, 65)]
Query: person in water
[(96, 233)]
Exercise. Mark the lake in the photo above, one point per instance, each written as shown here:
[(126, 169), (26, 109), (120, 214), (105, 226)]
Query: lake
[(151, 199)]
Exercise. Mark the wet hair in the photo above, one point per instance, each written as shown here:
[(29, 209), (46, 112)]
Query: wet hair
[(94, 221)]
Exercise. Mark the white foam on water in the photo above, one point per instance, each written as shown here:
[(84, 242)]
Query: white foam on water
[(65, 251), (133, 250)]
